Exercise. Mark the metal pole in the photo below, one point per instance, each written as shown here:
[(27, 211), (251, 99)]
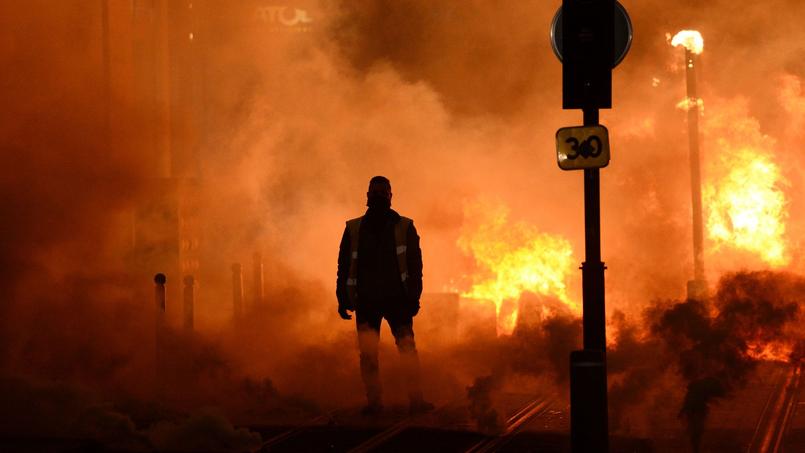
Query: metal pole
[(257, 282), (189, 302), (159, 325), (698, 287), (589, 423), (237, 291), (594, 317)]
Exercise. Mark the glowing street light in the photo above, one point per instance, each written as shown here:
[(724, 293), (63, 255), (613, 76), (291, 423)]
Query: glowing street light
[(693, 43)]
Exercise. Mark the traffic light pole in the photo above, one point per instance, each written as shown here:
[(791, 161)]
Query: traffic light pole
[(589, 421), (588, 35), (594, 318)]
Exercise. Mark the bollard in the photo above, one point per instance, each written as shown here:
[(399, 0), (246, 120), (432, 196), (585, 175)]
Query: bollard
[(257, 275), (237, 291), (159, 298), (189, 301), (159, 325)]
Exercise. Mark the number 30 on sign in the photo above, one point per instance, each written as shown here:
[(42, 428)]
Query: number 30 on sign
[(582, 147)]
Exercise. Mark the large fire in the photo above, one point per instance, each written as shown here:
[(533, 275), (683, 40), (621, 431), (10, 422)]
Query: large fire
[(689, 39), (513, 258), (747, 208)]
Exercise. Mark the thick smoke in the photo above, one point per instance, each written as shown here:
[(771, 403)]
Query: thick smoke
[(482, 395), (48, 410), (714, 350), (536, 356), (449, 99), (635, 372), (517, 83), (707, 349)]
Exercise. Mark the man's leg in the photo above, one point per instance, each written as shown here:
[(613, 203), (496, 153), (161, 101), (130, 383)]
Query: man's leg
[(368, 340), (403, 331)]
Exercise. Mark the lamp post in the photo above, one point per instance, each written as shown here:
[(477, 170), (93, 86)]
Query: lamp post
[(693, 43)]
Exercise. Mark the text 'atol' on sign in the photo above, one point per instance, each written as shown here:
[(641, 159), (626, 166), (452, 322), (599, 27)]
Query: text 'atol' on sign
[(582, 147)]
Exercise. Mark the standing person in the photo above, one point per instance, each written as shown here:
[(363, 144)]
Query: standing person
[(380, 276)]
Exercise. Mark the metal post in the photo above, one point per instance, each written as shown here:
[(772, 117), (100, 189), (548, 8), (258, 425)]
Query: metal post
[(237, 291), (594, 317), (159, 299), (189, 302), (698, 287), (159, 324), (589, 423), (257, 282)]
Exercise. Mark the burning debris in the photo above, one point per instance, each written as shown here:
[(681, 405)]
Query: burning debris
[(514, 258)]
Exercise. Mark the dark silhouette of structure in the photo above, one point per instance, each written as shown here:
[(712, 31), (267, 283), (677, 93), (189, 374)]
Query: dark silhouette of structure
[(380, 276)]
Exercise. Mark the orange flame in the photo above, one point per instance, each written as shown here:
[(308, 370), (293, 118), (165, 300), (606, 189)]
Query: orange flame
[(513, 258), (747, 208), (689, 103), (776, 352), (689, 39)]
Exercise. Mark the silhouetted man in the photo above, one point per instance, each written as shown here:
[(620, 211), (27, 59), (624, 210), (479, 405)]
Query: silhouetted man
[(380, 276)]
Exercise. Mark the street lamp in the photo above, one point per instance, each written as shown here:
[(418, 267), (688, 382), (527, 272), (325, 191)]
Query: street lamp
[(693, 43)]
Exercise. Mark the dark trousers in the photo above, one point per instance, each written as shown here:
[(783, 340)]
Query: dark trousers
[(402, 327)]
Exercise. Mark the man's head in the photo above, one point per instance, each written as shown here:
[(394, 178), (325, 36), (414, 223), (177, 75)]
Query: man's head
[(379, 194)]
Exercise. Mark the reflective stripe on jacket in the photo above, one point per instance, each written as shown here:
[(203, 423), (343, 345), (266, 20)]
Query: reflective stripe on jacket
[(400, 240)]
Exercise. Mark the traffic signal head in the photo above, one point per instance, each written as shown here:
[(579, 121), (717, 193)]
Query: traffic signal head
[(587, 53)]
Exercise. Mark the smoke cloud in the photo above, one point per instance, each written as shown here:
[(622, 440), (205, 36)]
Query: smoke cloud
[(715, 351), (451, 100), (482, 405), (709, 349)]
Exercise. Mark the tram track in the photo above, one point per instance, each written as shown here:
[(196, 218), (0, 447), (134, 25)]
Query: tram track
[(514, 424), (284, 436), (399, 433), (773, 420), (395, 429)]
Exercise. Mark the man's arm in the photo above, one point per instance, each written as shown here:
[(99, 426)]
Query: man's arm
[(343, 272), (414, 257)]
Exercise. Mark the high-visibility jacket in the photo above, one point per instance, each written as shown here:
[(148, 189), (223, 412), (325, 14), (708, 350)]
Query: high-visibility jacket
[(408, 260), (400, 241)]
